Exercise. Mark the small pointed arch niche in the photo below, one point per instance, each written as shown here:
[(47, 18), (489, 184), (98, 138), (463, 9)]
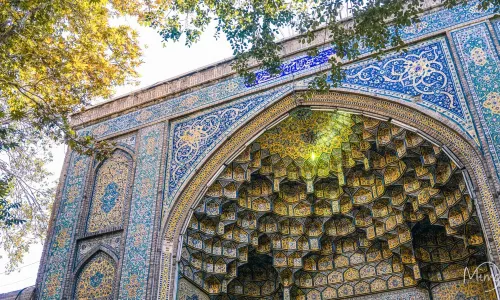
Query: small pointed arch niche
[(96, 277)]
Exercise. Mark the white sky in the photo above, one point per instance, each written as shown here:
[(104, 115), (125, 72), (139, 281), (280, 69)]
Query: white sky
[(160, 63)]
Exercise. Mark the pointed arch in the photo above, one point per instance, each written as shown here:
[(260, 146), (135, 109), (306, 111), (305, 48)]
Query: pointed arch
[(96, 277), (111, 190), (101, 247), (432, 127)]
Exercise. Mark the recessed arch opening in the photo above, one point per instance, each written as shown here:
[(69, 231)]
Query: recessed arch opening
[(333, 198), (95, 277), (360, 196)]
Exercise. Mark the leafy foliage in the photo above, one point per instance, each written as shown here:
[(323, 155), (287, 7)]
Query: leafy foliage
[(55, 58), (253, 26), (29, 195), (6, 216)]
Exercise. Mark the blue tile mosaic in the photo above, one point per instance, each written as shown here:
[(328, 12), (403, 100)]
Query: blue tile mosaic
[(430, 23), (481, 65), (425, 70), (136, 261), (496, 27), (298, 65), (63, 234), (193, 137)]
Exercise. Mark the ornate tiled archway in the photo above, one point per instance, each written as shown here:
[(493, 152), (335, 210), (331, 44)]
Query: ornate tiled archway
[(467, 154), (182, 132)]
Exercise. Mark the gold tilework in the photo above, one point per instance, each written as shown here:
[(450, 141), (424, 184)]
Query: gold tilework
[(96, 279), (110, 192), (287, 218), (471, 289)]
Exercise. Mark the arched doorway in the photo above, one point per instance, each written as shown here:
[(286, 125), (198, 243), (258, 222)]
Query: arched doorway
[(367, 193)]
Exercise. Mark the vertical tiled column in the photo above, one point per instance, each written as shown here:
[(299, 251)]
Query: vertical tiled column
[(481, 67), (62, 237), (138, 243), (480, 64)]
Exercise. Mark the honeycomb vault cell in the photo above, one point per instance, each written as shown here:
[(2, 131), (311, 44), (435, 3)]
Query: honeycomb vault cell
[(330, 205)]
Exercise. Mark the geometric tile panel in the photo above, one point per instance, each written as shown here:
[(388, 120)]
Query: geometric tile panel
[(138, 247), (481, 65)]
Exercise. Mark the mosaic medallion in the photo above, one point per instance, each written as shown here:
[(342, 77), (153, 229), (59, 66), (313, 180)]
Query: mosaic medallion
[(97, 278)]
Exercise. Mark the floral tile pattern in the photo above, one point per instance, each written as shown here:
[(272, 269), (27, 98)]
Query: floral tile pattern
[(481, 66), (216, 93), (425, 74), (96, 278), (136, 260), (192, 138), (64, 230), (110, 193)]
